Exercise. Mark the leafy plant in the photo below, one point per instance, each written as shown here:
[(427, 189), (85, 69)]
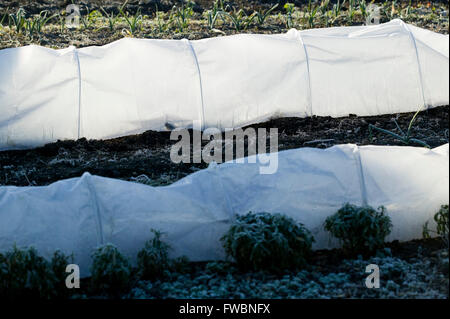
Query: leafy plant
[(239, 19), (408, 10), (289, 7), (312, 11), (351, 10), (160, 21), (363, 8), (153, 259), (393, 10), (25, 274), (110, 271), (17, 20), (324, 11), (62, 23), (134, 22), (337, 8), (403, 137), (211, 18), (4, 16), (263, 241), (442, 225), (360, 229), (262, 16), (183, 15), (58, 266), (112, 19), (35, 25), (217, 11), (89, 19)]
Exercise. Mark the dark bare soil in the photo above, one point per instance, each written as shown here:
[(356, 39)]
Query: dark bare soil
[(149, 153)]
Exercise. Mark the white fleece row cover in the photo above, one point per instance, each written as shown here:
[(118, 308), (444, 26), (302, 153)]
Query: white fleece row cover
[(76, 215), (134, 85)]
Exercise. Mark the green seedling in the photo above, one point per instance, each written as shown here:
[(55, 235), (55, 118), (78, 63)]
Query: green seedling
[(363, 8), (325, 12), (4, 16), (35, 25), (134, 22), (442, 225), (390, 11), (183, 15), (351, 11), (62, 23), (262, 16), (211, 18), (312, 11), (86, 20), (215, 13), (160, 21), (17, 20), (239, 19), (403, 137), (406, 13), (112, 19), (337, 8), (289, 7)]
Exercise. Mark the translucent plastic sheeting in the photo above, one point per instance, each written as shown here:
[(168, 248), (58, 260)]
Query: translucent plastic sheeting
[(76, 215), (134, 85)]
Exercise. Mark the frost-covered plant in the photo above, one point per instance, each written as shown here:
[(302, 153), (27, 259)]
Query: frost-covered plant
[(442, 225), (153, 259), (26, 274), (180, 265), (264, 241), (154, 262), (441, 219), (110, 271), (360, 229), (58, 266)]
